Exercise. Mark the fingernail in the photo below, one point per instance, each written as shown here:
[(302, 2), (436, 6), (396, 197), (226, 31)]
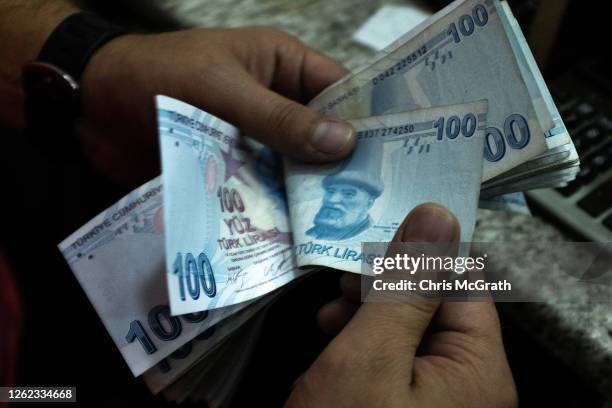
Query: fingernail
[(431, 223), (332, 136)]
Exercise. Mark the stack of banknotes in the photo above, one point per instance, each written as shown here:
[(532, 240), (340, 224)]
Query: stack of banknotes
[(454, 112)]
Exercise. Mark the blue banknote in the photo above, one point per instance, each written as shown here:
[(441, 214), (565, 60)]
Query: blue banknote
[(400, 161), (512, 202), (185, 358), (230, 235), (228, 238), (468, 51), (118, 258)]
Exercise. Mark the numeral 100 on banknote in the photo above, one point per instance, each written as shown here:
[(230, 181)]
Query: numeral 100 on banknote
[(466, 23), (196, 275), (514, 122), (156, 314), (230, 199)]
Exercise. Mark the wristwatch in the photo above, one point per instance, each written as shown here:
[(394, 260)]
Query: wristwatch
[(51, 82)]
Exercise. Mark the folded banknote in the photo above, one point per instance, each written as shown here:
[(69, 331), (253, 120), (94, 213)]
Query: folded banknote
[(470, 50), (230, 235), (118, 258), (400, 161)]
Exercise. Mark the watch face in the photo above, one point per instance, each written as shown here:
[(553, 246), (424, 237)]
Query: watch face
[(51, 94)]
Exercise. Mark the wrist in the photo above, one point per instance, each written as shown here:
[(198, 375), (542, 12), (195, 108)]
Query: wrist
[(26, 27), (52, 82), (108, 63), (110, 75)]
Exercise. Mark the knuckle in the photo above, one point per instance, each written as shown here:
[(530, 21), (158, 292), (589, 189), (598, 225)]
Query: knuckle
[(283, 115), (304, 393), (281, 41), (508, 396), (339, 370), (279, 34), (315, 383), (335, 359), (211, 72), (497, 391), (510, 401), (502, 397), (271, 34)]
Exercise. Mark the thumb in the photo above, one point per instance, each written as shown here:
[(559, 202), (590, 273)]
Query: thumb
[(286, 126), (389, 333), (304, 134), (296, 130)]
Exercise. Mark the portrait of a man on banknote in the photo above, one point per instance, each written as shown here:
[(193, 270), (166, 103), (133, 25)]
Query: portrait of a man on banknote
[(349, 194)]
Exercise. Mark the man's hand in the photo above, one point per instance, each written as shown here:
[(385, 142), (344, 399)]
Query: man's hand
[(418, 354), (254, 78)]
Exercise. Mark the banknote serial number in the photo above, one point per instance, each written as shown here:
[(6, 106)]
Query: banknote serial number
[(29, 394), (387, 131), (444, 127), (463, 27), (401, 64)]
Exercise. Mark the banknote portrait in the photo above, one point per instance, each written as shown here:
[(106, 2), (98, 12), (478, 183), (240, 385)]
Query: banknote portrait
[(349, 195)]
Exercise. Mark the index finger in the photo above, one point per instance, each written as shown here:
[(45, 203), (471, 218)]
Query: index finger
[(320, 71)]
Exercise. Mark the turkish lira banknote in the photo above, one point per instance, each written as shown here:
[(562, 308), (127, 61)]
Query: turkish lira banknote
[(513, 202), (400, 161), (468, 51), (118, 258), (228, 237), (214, 379), (191, 354)]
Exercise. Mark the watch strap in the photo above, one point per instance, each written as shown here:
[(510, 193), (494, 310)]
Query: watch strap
[(74, 41)]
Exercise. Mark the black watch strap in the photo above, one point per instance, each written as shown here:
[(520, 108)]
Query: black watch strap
[(51, 83), (74, 41)]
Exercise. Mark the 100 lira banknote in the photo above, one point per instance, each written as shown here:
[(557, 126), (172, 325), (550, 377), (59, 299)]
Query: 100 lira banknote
[(118, 258), (229, 234), (228, 238), (400, 161), (185, 358), (468, 51)]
